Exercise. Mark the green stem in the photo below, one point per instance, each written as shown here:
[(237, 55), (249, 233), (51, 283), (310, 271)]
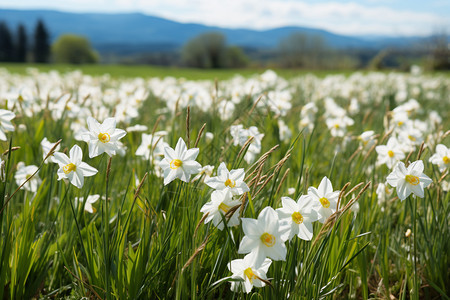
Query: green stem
[(416, 286), (105, 225)]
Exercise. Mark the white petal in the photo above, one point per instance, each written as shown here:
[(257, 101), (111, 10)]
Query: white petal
[(94, 149), (191, 167), (416, 166), (251, 227), (313, 192), (108, 126), (402, 190), (305, 231), (425, 180), (61, 158), (441, 150), (191, 154), (169, 153), (2, 136), (237, 175), (214, 183), (247, 245), (93, 125), (86, 169), (76, 154), (180, 148), (77, 179), (222, 169), (325, 186), (269, 218), (170, 176), (417, 190), (118, 134), (289, 204)]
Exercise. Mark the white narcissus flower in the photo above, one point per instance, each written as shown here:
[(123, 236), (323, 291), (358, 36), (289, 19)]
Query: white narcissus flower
[(383, 192), (2, 170), (25, 172), (103, 137), (264, 237), (5, 122), (367, 139), (240, 137), (390, 153), (338, 126), (251, 276), (298, 216), (441, 158), (179, 162), (46, 147), (284, 131), (88, 204), (221, 202), (232, 180), (409, 180), (137, 128), (152, 146), (72, 167), (205, 170), (325, 198)]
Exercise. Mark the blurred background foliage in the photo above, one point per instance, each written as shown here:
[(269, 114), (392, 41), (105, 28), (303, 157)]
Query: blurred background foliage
[(210, 50)]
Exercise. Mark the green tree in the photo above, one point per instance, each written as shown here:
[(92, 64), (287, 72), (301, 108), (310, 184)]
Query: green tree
[(6, 43), (207, 50), (303, 50), (236, 58), (73, 49), (440, 52), (41, 48), (21, 46)]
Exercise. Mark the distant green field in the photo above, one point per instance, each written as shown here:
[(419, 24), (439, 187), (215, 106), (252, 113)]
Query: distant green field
[(155, 71)]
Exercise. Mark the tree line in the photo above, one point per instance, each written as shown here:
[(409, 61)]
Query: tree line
[(21, 48), (210, 50)]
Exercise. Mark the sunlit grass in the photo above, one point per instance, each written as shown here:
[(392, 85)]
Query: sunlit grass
[(121, 71), (146, 240)]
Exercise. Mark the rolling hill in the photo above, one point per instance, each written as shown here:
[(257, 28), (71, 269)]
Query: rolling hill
[(139, 31)]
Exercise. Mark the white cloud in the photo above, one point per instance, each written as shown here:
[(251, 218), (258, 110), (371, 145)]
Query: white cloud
[(346, 18)]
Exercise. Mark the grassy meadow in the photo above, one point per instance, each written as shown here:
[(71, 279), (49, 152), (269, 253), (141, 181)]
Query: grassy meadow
[(126, 231), (126, 71)]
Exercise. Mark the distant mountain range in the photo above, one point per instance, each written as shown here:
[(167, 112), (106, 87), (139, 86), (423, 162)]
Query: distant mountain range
[(151, 33)]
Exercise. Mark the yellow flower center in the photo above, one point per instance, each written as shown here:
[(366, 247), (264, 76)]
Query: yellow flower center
[(400, 123), (297, 217), (446, 159), (223, 207), (411, 179), (250, 275), (324, 201), (175, 164), (268, 239), (69, 168), (336, 125), (230, 183), (391, 153), (411, 138), (104, 137)]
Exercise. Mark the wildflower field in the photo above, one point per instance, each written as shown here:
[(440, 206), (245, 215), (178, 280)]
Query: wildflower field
[(254, 187)]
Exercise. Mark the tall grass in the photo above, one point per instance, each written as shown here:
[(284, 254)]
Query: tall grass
[(148, 241)]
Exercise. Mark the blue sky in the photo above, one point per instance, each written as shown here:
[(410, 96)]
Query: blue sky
[(373, 17)]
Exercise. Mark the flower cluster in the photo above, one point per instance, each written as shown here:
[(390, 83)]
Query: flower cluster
[(241, 135), (265, 237)]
